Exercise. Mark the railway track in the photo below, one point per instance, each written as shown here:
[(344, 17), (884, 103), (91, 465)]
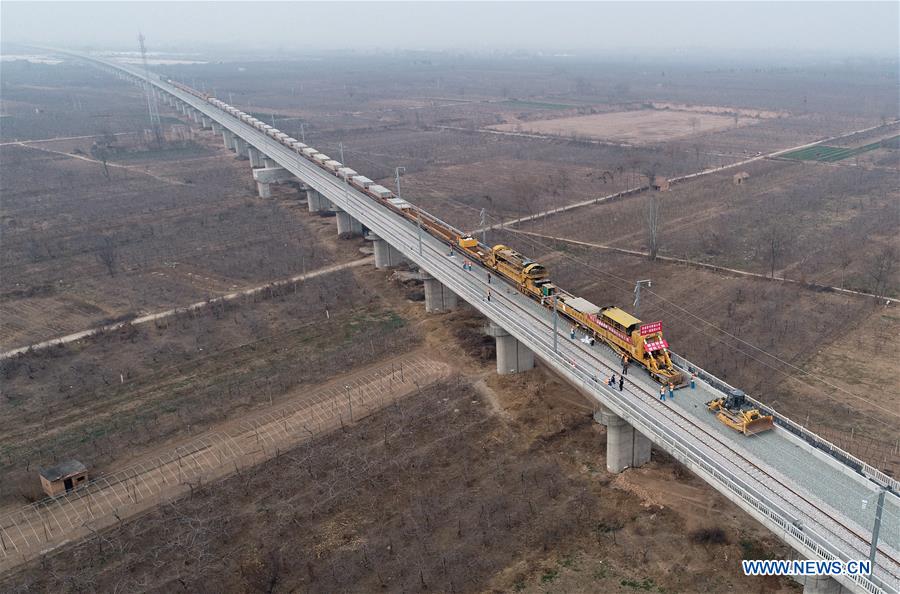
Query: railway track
[(764, 493), (800, 507)]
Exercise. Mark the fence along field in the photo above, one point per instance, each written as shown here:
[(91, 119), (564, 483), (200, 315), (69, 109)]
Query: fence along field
[(48, 523)]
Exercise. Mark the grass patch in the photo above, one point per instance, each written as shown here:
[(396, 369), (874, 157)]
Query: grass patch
[(646, 585), (709, 536), (549, 575), (830, 154), (751, 549), (537, 104)]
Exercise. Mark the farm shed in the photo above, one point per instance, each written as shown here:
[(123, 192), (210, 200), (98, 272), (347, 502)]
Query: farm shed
[(63, 477), (660, 183), (740, 177)]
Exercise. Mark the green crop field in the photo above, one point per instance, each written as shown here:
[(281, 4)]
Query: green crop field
[(537, 104), (830, 154)]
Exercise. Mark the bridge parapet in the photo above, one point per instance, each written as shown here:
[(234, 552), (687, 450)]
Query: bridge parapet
[(798, 430)]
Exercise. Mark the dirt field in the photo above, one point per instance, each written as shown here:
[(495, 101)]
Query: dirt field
[(477, 503), (478, 483), (718, 109), (171, 225), (631, 127), (829, 224), (176, 467), (137, 386), (164, 232), (703, 311)]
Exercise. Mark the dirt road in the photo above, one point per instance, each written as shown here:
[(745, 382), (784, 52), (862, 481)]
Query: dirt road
[(193, 306), (674, 180), (713, 267), (48, 524)]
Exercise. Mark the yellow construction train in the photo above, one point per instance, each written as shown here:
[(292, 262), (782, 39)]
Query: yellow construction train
[(642, 343)]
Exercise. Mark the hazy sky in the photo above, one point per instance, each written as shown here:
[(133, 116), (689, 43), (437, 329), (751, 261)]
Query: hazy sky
[(832, 28)]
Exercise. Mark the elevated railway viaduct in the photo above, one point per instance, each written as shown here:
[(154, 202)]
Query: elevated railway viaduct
[(818, 499)]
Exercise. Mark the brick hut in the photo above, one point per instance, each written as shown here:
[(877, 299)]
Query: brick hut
[(63, 477), (740, 178), (660, 183)]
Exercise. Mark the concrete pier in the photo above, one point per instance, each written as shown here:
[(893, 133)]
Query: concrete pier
[(314, 201), (263, 190), (601, 417), (272, 175), (269, 162), (204, 122), (821, 584), (255, 157), (385, 254), (228, 139), (347, 225), (240, 146), (512, 355), (625, 447), (438, 298), (216, 127), (269, 175)]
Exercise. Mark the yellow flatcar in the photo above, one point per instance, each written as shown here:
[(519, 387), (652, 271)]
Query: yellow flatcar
[(625, 334)]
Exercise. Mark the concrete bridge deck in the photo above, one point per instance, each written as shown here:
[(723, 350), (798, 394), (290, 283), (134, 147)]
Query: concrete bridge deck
[(811, 501)]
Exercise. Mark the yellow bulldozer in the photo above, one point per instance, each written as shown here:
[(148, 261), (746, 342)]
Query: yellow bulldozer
[(736, 412)]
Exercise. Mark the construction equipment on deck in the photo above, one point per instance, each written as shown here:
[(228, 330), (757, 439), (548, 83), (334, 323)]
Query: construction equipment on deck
[(736, 412)]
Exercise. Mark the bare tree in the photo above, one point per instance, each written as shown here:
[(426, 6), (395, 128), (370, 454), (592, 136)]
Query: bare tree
[(102, 149), (108, 255), (697, 148), (881, 267), (844, 245), (651, 214), (775, 240), (652, 217), (527, 192), (560, 183), (694, 121)]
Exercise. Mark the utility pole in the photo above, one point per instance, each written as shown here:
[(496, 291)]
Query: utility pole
[(273, 121), (484, 226), (341, 146), (397, 172), (637, 296), (152, 107), (302, 134), (879, 507), (555, 322)]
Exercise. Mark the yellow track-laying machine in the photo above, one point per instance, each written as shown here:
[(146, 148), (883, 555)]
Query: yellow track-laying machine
[(736, 412)]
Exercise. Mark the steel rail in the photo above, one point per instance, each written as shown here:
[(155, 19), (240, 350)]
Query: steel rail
[(388, 224)]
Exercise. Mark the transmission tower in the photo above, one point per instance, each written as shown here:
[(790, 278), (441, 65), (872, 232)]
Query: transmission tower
[(152, 106)]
